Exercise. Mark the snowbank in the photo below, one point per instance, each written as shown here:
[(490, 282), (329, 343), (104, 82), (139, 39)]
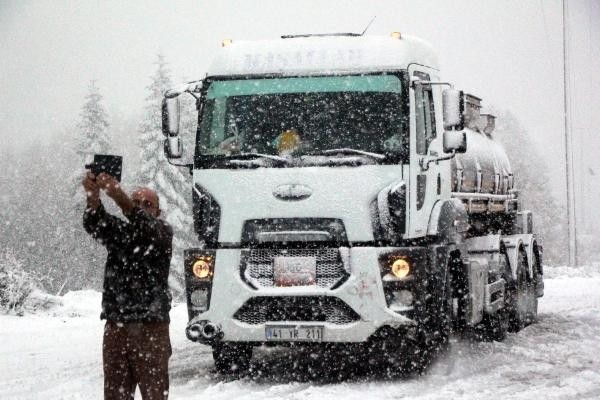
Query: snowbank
[(80, 303), (585, 271)]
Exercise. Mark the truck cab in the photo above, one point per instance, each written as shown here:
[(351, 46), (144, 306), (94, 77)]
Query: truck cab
[(325, 201)]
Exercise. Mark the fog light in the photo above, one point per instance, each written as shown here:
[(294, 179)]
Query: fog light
[(402, 300), (202, 268), (400, 268), (199, 298)]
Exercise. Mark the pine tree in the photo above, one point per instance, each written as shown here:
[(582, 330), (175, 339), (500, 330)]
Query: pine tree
[(92, 138), (84, 258), (93, 126), (170, 183)]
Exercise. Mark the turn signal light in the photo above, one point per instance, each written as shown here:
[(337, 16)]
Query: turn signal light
[(396, 35), (400, 268), (226, 42), (203, 267)]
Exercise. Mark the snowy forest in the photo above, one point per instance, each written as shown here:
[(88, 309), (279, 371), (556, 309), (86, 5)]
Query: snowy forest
[(43, 200)]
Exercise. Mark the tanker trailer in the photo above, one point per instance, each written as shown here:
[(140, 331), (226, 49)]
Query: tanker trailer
[(499, 233), (345, 197)]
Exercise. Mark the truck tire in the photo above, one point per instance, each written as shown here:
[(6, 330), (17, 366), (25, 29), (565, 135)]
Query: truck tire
[(532, 291), (518, 296), (415, 356), (446, 323), (494, 327), (400, 356), (232, 358)]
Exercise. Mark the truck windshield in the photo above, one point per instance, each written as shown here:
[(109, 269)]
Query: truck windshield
[(294, 117)]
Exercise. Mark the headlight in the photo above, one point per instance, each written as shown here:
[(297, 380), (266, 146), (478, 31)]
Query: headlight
[(395, 268), (400, 268), (199, 274), (404, 277), (203, 267)]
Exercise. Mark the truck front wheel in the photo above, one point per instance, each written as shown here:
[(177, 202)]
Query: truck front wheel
[(232, 357)]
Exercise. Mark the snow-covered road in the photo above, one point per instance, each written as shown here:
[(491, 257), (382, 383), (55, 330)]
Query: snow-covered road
[(57, 355)]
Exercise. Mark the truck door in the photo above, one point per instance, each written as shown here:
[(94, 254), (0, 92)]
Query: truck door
[(425, 182)]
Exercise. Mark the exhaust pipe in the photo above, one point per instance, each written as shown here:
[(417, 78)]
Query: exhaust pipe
[(203, 331), (194, 332), (210, 331)]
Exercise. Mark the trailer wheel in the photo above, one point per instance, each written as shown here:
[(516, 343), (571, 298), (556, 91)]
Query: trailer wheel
[(518, 296), (232, 358)]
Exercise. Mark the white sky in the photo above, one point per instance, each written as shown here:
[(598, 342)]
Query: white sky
[(507, 52)]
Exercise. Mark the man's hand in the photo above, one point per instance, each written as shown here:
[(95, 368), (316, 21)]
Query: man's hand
[(109, 184), (92, 190), (113, 189)]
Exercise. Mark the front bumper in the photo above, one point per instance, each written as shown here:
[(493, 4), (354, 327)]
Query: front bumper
[(362, 292)]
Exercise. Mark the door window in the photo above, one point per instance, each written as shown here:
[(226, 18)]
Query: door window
[(425, 114)]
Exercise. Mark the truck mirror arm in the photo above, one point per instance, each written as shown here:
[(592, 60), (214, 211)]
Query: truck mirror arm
[(190, 167), (417, 81), (424, 162), (192, 88)]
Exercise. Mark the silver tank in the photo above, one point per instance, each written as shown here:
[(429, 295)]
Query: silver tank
[(484, 168)]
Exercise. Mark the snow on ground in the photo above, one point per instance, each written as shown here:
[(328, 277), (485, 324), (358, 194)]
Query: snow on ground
[(56, 354)]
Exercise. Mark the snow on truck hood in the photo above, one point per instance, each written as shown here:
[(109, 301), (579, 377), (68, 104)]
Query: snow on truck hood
[(340, 192), (321, 55)]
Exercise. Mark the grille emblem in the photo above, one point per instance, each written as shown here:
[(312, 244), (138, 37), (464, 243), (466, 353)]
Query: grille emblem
[(292, 192)]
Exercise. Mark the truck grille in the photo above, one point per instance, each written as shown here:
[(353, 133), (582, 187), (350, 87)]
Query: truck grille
[(257, 265), (260, 310)]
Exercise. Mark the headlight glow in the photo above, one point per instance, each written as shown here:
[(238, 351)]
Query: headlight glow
[(203, 268), (400, 268)]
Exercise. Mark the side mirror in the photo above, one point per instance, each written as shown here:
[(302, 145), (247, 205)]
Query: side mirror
[(173, 147), (170, 116), (455, 141), (453, 109)]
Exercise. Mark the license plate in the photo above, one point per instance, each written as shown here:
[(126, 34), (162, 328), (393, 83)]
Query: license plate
[(294, 271), (293, 333)]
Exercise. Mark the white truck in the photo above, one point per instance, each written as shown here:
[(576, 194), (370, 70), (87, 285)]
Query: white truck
[(344, 195)]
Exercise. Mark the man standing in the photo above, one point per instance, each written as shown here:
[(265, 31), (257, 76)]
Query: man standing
[(136, 298)]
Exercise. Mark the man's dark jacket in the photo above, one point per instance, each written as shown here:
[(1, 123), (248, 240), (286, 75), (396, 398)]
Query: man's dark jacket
[(137, 267)]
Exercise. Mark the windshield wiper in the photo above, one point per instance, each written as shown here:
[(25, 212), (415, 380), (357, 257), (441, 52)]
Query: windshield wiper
[(241, 157), (347, 150)]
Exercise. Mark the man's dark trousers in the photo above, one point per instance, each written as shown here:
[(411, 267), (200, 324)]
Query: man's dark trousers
[(136, 353)]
